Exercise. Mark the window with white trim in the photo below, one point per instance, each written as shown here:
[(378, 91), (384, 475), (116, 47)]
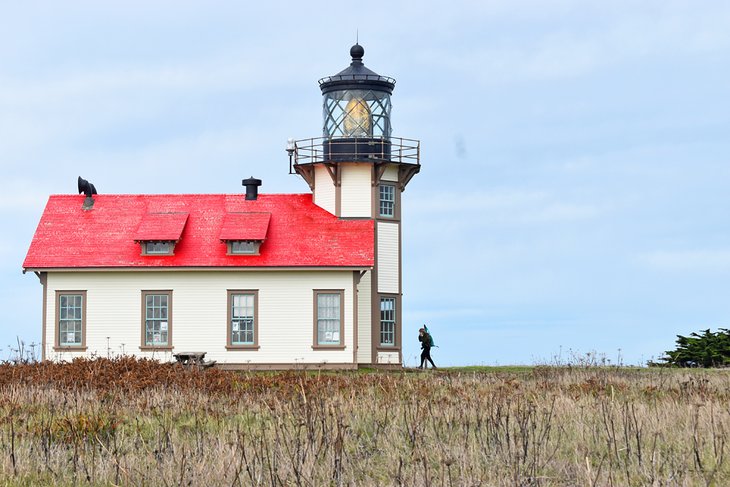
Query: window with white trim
[(157, 318), (328, 318), (71, 319), (387, 322), (242, 318), (387, 200)]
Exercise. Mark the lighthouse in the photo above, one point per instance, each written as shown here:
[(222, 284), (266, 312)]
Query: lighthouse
[(357, 169)]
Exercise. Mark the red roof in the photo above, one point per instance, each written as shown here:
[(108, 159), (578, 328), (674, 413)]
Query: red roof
[(245, 226), (299, 233), (161, 226)]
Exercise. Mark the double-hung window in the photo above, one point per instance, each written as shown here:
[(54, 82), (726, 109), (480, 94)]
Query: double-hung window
[(387, 322), (242, 322), (71, 319), (157, 319), (329, 318), (387, 200)]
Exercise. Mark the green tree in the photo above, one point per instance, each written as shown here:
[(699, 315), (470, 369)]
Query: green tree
[(704, 349)]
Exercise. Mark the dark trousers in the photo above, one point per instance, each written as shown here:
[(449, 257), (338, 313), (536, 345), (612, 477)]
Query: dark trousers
[(426, 355)]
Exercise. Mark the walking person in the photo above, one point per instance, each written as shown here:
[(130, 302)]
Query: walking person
[(425, 338)]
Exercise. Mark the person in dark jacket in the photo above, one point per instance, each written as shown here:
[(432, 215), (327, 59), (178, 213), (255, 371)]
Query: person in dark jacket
[(425, 340)]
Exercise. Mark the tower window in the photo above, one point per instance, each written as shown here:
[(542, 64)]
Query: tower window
[(387, 322), (387, 200)]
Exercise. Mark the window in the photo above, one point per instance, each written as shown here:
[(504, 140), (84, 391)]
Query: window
[(250, 247), (71, 319), (387, 322), (156, 319), (387, 200), (328, 319), (157, 248), (242, 322), (357, 113)]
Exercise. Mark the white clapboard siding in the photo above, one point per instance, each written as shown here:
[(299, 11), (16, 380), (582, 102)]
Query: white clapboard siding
[(324, 189), (199, 313), (364, 320), (390, 173), (388, 358), (356, 190), (388, 268)]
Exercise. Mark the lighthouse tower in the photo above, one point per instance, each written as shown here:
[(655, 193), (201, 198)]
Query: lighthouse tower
[(358, 170)]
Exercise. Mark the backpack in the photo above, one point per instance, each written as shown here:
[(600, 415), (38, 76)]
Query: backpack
[(430, 337)]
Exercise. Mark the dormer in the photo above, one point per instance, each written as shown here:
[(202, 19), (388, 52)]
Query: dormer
[(244, 233), (158, 233)]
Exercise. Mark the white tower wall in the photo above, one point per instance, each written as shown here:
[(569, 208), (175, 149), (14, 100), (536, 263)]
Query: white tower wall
[(356, 191), (324, 190)]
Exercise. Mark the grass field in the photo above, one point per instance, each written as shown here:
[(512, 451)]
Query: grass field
[(127, 422)]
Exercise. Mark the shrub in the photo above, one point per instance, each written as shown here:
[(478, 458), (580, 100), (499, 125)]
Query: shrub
[(704, 349)]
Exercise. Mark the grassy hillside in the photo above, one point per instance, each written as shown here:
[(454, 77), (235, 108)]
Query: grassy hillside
[(137, 422)]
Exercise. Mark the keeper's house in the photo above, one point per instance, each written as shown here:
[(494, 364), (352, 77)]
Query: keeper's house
[(260, 281)]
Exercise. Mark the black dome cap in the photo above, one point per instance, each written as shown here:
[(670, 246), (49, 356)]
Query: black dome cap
[(357, 52), (356, 76)]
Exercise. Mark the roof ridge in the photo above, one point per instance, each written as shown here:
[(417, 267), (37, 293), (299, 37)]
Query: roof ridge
[(71, 195)]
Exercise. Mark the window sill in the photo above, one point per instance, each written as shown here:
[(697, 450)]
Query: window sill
[(242, 347), (387, 348), (328, 347), (153, 347), (73, 348)]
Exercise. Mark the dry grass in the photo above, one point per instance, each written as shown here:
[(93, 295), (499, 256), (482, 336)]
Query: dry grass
[(127, 422)]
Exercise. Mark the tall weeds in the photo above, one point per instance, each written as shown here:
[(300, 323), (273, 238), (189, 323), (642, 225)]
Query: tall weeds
[(138, 422)]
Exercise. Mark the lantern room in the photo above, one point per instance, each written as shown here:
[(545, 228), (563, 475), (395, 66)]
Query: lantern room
[(356, 112), (356, 101)]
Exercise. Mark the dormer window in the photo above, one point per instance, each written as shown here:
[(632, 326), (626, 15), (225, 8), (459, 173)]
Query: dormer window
[(244, 233), (157, 248), (250, 247), (158, 233)]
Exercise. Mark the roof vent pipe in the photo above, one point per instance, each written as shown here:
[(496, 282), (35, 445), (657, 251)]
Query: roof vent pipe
[(252, 187), (89, 190)]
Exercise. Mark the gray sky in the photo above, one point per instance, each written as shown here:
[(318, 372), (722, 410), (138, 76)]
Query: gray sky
[(574, 187)]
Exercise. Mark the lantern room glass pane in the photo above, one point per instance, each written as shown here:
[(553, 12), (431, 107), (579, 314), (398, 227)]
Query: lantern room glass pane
[(356, 114)]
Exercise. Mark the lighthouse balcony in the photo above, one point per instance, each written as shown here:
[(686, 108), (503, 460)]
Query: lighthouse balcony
[(396, 150)]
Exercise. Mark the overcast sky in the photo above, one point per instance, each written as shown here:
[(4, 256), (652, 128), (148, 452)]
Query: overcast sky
[(575, 184)]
